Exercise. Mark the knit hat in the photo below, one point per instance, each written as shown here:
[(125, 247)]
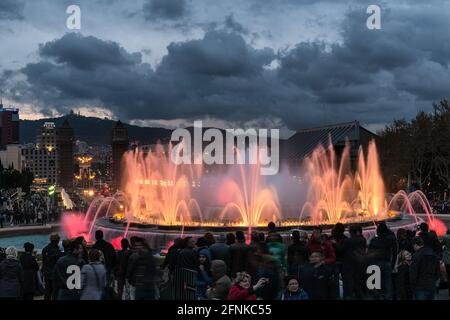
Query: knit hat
[(11, 253), (205, 252)]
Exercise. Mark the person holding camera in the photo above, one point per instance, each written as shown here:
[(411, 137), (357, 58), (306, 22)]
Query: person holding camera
[(242, 288)]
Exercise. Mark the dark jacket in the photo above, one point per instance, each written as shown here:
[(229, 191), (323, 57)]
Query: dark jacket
[(171, 258), (141, 273), (338, 248), (319, 282), (424, 270), (30, 268), (11, 279), (297, 254), (383, 248), (61, 276), (353, 251), (108, 251), (238, 257), (50, 254), (402, 283), (271, 269), (188, 258), (287, 295), (220, 251), (122, 263)]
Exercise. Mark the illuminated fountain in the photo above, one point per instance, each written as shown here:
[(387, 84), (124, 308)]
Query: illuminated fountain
[(158, 190), (337, 195), (162, 201), (254, 203)]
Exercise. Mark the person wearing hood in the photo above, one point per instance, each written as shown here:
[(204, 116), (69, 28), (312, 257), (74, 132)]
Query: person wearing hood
[(204, 277), (30, 268), (220, 250), (293, 291), (424, 271), (11, 276), (202, 245), (218, 290)]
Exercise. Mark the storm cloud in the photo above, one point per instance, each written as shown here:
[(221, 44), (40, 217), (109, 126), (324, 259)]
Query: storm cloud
[(164, 9), (369, 75), (11, 9)]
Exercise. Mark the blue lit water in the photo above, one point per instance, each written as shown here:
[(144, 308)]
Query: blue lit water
[(39, 241)]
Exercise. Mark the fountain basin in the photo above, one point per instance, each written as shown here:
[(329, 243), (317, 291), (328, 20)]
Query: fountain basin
[(160, 236)]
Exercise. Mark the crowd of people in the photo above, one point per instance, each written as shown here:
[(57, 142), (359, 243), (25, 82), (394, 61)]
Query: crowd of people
[(317, 266), (25, 212)]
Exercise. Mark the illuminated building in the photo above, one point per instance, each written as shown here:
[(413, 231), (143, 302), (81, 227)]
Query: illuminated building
[(41, 158)]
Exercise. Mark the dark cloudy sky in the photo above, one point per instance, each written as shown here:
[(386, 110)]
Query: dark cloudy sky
[(270, 63)]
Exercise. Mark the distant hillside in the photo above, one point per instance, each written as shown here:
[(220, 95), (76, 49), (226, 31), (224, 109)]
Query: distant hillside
[(94, 131)]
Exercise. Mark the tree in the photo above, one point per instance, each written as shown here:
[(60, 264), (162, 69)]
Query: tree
[(421, 144), (441, 139), (418, 149)]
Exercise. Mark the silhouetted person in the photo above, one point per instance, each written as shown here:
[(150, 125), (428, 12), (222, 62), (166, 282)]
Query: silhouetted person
[(298, 255), (353, 265), (61, 275), (84, 251), (230, 238), (30, 268), (383, 253), (188, 257), (122, 263), (50, 255), (108, 252), (11, 276), (424, 271), (220, 250), (238, 254), (141, 272), (318, 278), (209, 239)]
